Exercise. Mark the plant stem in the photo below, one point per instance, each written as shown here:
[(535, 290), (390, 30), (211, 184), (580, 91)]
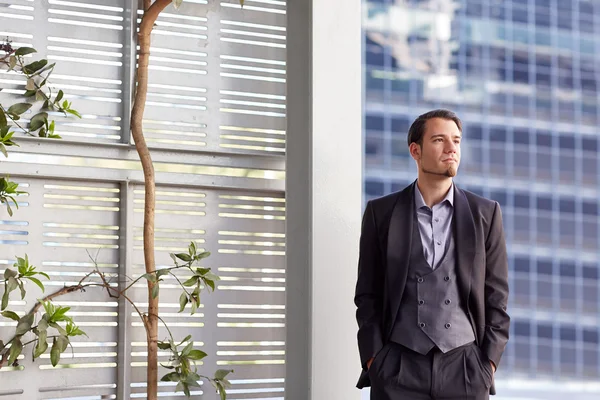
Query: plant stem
[(151, 13), (34, 340), (168, 330)]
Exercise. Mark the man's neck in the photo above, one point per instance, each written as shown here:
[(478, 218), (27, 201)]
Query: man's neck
[(434, 190)]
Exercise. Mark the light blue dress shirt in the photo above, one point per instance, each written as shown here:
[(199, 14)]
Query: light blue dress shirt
[(435, 225)]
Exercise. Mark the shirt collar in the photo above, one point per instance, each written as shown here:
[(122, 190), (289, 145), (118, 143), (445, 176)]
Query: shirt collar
[(420, 203)]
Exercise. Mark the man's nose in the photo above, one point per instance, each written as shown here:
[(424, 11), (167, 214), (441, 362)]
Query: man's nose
[(451, 147)]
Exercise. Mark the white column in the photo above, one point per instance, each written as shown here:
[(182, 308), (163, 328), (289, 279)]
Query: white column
[(324, 191)]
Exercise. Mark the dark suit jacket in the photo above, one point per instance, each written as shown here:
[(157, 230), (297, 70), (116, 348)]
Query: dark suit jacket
[(385, 244)]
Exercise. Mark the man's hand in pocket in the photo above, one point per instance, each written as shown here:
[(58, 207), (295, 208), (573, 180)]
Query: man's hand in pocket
[(369, 363)]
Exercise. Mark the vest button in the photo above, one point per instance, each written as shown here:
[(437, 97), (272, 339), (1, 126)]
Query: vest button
[(421, 302), (447, 278), (422, 324), (448, 301), (447, 326), (420, 280)]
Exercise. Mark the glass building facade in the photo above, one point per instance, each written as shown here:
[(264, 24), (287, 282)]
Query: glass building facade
[(523, 76)]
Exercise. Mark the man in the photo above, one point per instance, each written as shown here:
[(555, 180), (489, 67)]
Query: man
[(432, 285)]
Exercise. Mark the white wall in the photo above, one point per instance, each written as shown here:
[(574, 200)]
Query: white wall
[(323, 192)]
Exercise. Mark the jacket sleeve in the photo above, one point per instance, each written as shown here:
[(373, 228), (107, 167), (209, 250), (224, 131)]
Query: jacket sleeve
[(369, 289), (497, 321)]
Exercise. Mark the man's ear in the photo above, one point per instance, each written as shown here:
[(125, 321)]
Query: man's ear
[(415, 151)]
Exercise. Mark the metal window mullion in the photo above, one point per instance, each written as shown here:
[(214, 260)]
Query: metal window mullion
[(597, 42), (125, 309), (578, 205), (128, 69), (40, 29)]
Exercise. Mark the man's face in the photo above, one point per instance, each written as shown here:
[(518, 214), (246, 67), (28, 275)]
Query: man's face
[(440, 152)]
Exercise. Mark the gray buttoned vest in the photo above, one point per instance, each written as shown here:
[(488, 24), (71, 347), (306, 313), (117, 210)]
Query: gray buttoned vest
[(430, 312)]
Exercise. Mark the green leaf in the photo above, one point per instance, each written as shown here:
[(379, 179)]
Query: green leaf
[(22, 289), (45, 275), (59, 314), (34, 66), (10, 314), (197, 355), (186, 350), (162, 272), (9, 210), (55, 353), (192, 380), (36, 281), (29, 93), (150, 277), (192, 248), (21, 265), (12, 284), (202, 271), (209, 283), (59, 328), (184, 257), (211, 276), (42, 325), (173, 258), (48, 307), (16, 348), (222, 391), (46, 68), (164, 345), (22, 51), (186, 390), (59, 96), (3, 121), (222, 373), (73, 112), (51, 129), (63, 342), (188, 337), (3, 150), (194, 306), (12, 62), (183, 300), (24, 324), (4, 299), (30, 85), (38, 121), (202, 255), (73, 330), (155, 289), (19, 108), (9, 273), (191, 282), (42, 345), (171, 377)]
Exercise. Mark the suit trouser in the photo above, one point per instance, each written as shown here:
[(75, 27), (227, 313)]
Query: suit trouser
[(398, 373)]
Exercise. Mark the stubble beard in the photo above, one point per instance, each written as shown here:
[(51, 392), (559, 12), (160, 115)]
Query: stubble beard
[(450, 172)]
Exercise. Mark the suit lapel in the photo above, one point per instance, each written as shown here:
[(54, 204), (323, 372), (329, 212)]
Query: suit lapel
[(398, 247), (464, 238)]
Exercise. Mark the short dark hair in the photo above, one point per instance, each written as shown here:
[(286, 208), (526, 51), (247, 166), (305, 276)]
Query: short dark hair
[(417, 129)]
